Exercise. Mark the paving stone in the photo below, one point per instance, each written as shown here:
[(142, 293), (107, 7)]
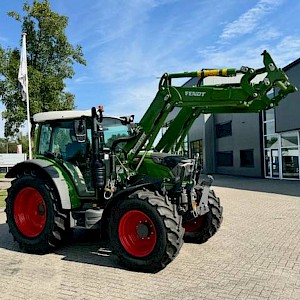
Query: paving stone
[(255, 255)]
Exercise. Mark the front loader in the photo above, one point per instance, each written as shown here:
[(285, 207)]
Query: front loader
[(97, 171)]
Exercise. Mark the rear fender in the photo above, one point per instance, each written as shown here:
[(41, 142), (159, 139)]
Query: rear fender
[(47, 169)]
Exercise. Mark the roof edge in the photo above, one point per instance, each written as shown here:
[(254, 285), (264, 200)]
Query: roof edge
[(292, 64)]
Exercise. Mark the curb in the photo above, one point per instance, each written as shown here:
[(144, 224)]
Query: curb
[(6, 179)]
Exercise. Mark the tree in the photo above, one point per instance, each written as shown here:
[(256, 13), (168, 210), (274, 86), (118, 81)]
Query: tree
[(50, 59)]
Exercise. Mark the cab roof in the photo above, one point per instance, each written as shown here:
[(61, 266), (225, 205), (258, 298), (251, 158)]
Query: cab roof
[(64, 115)]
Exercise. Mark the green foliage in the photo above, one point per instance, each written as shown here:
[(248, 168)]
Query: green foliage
[(7, 146), (10, 146), (50, 59)]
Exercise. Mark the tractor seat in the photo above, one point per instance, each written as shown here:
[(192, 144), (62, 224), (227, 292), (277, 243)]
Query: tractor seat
[(76, 151)]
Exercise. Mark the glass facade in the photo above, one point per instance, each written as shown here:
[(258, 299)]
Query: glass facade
[(282, 150), (197, 150)]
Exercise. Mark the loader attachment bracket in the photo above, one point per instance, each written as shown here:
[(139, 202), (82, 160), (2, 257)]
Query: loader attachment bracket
[(203, 205), (274, 77)]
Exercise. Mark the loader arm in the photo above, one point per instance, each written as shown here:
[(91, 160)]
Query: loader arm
[(243, 97), (178, 129)]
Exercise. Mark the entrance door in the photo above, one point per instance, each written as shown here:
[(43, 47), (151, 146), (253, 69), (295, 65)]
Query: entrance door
[(272, 163), (275, 163)]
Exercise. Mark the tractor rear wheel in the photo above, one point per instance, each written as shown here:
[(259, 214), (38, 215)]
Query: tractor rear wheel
[(202, 228), (33, 214), (145, 231)]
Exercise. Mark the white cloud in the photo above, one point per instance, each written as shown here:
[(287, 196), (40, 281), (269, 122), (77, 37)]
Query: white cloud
[(81, 79), (114, 20), (143, 48), (132, 100), (287, 50), (248, 21), (133, 42), (268, 33), (284, 50), (3, 39)]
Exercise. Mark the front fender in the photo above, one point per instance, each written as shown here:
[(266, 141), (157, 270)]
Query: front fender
[(48, 169), (113, 202)]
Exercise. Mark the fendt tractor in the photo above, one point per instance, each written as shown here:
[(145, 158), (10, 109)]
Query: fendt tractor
[(103, 172)]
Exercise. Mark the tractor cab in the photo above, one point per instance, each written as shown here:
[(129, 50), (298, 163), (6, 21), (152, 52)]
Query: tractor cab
[(67, 139)]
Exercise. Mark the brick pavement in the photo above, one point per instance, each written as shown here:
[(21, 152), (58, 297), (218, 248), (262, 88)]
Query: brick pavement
[(255, 255)]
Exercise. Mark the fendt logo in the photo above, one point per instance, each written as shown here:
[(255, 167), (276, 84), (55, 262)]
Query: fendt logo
[(194, 94)]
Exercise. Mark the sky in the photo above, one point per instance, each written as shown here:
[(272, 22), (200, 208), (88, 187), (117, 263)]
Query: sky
[(129, 44)]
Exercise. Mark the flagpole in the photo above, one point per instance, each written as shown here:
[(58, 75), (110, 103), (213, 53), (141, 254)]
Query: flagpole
[(24, 57), (28, 119)]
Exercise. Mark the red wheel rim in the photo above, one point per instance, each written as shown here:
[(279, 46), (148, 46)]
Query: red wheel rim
[(30, 212), (193, 225), (137, 233)]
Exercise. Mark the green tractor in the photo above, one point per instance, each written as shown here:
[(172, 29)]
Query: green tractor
[(97, 171)]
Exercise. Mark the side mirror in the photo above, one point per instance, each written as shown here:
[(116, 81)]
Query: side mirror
[(127, 120), (80, 130)]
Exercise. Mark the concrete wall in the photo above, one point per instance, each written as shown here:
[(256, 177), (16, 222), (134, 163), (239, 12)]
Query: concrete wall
[(246, 135), (203, 129), (209, 145), (288, 111), (197, 129)]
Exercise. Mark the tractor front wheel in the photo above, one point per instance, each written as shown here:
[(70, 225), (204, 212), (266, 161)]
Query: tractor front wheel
[(202, 228), (145, 232), (33, 214)]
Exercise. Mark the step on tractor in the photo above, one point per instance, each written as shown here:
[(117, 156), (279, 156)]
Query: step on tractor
[(95, 171)]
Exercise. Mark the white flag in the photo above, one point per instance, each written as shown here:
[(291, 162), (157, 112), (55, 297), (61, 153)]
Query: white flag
[(22, 76)]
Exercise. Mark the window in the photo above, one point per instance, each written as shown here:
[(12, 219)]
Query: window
[(270, 137), (269, 114), (247, 158), (289, 139), (45, 136), (269, 127), (271, 141), (225, 159), (3, 169), (290, 154), (223, 130), (55, 137)]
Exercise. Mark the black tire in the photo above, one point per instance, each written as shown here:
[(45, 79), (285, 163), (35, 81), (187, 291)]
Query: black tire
[(42, 227), (208, 223), (145, 215)]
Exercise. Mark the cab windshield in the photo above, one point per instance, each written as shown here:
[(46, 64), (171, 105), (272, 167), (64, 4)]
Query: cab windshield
[(58, 137)]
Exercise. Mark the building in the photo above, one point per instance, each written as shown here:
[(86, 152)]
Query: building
[(8, 160), (265, 144)]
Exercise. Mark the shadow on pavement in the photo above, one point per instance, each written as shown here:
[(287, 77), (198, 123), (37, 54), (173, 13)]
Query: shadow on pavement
[(283, 187), (83, 246), (6, 239)]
